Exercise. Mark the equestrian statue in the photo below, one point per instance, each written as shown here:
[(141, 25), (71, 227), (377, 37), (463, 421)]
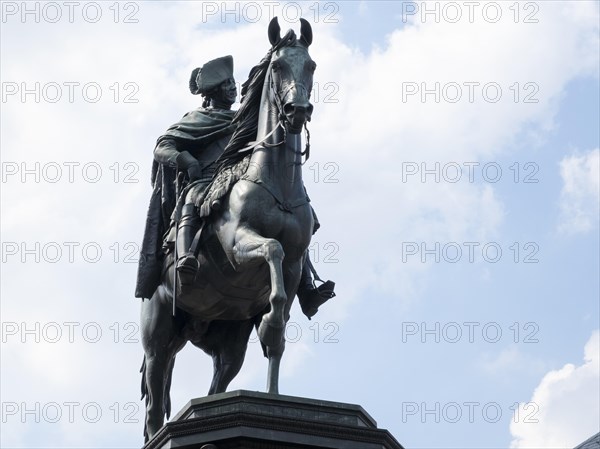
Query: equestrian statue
[(225, 248)]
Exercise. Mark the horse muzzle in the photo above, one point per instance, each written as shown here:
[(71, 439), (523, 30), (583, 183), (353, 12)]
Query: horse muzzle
[(297, 114)]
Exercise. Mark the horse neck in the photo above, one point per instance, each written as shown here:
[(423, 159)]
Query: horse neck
[(279, 161)]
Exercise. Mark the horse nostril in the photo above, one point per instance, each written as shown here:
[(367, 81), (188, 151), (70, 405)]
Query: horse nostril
[(297, 108), (288, 109)]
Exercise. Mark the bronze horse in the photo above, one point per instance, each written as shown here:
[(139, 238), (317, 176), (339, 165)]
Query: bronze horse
[(257, 226)]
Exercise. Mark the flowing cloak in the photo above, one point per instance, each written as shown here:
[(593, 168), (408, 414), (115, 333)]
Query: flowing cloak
[(196, 131)]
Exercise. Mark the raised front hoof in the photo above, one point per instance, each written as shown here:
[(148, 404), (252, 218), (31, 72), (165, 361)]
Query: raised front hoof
[(187, 268), (312, 298), (270, 335)]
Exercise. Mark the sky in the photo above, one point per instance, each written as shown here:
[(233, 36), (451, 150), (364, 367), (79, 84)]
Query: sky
[(454, 169)]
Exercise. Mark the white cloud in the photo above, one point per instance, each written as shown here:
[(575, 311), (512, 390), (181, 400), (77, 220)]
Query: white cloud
[(511, 363), (372, 131), (566, 405), (580, 195)]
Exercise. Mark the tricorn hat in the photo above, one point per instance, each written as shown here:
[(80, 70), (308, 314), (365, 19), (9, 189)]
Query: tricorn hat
[(211, 74)]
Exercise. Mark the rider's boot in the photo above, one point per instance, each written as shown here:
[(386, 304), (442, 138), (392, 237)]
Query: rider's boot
[(310, 296), (187, 264)]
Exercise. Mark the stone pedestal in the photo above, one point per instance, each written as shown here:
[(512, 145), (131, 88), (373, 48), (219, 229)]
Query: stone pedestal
[(251, 420)]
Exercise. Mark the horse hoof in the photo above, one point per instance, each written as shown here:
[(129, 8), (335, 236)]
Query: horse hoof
[(270, 335)]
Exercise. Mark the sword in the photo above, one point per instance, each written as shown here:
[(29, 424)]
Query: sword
[(178, 180)]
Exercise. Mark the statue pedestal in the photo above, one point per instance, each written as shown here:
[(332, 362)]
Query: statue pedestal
[(251, 420)]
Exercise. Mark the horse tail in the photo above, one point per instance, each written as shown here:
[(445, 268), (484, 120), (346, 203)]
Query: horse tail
[(144, 394), (144, 386), (167, 391)]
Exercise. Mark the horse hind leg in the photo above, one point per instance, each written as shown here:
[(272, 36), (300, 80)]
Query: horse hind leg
[(229, 341), (161, 343)]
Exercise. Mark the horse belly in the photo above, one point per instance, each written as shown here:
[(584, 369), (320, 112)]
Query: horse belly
[(210, 304)]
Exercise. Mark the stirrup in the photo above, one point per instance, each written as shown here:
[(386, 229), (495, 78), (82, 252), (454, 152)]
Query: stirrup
[(312, 299)]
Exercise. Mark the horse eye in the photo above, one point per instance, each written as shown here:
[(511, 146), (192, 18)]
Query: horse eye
[(312, 66), (276, 67)]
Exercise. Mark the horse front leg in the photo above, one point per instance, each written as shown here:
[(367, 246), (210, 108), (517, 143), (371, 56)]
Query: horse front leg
[(291, 280), (250, 247)]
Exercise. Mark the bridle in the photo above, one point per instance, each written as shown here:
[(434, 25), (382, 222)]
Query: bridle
[(281, 117)]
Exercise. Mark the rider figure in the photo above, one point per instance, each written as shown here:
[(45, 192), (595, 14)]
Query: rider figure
[(190, 147)]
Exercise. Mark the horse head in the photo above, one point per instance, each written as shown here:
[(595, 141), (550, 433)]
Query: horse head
[(290, 75)]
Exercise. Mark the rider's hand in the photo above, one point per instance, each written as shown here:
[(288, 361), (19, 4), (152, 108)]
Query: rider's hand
[(187, 162), (194, 172)]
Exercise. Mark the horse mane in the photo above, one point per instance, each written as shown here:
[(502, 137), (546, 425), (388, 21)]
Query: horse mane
[(246, 117)]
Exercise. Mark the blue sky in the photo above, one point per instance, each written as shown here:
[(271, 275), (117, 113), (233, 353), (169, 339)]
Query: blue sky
[(370, 131)]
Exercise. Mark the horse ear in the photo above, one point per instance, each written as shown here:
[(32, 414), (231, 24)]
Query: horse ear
[(306, 35), (274, 31)]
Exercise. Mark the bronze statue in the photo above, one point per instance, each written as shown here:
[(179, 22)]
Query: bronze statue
[(238, 255)]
